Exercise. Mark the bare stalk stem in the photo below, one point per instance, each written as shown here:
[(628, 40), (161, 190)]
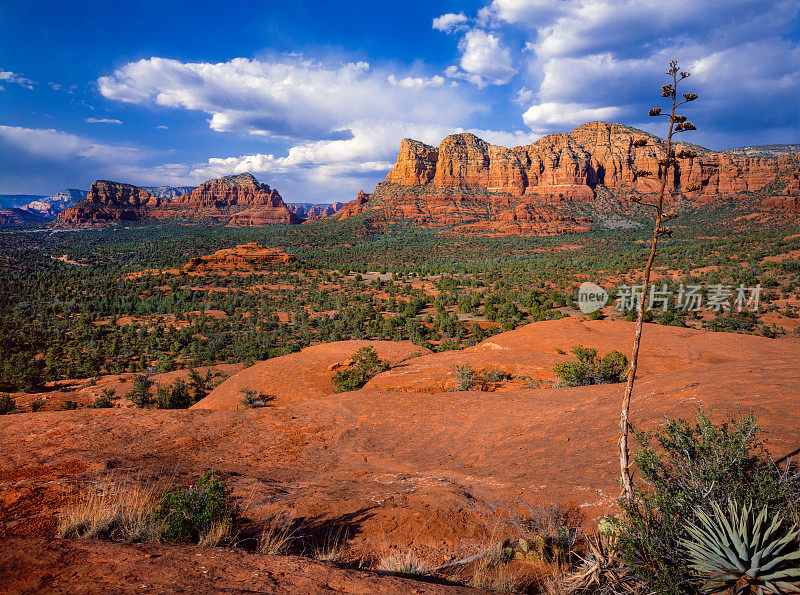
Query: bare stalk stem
[(624, 455)]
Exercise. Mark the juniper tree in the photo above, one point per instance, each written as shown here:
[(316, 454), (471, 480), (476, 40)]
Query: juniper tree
[(677, 125)]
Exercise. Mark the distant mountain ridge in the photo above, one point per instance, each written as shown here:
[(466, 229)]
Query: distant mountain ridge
[(51, 206), (313, 211)]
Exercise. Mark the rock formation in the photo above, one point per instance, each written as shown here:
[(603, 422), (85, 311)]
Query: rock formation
[(234, 200), (483, 188), (245, 256), (109, 202)]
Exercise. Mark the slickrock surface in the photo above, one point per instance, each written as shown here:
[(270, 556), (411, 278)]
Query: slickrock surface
[(87, 566), (304, 375), (399, 462)]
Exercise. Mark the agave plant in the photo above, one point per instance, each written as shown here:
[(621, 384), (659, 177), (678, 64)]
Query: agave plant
[(743, 553)]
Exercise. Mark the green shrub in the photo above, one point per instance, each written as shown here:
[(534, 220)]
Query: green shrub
[(103, 402), (175, 396), (253, 399), (495, 375), (611, 368), (140, 395), (190, 513), (365, 365), (37, 404), (689, 468), (7, 404), (68, 406), (466, 377)]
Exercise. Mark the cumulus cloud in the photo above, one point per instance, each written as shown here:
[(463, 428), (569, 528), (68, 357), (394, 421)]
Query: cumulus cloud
[(483, 55), (450, 22), (287, 97), (608, 57), (102, 121), (17, 79), (411, 82), (343, 121)]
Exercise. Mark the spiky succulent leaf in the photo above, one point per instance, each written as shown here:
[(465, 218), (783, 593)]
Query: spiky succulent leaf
[(742, 552)]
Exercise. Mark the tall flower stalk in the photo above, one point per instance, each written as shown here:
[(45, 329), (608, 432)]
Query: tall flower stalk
[(677, 124)]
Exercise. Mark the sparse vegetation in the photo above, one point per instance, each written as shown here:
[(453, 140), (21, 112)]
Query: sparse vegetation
[(202, 513), (689, 469), (466, 377), (103, 402), (365, 364), (589, 369), (7, 404), (254, 399), (277, 534), (116, 511)]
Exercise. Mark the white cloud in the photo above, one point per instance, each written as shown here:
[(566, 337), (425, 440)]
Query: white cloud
[(411, 82), (545, 116), (482, 55), (286, 97), (102, 121), (13, 77), (449, 22), (595, 55), (526, 12)]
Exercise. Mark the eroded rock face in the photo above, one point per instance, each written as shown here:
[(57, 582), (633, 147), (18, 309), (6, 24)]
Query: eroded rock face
[(109, 202), (235, 200), (243, 256), (354, 207), (485, 188)]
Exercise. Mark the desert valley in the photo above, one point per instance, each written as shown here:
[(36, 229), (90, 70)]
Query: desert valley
[(556, 361)]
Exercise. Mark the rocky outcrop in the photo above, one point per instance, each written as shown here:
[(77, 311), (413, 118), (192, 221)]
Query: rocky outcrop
[(239, 200), (246, 256), (486, 188), (109, 202), (354, 207), (234, 200)]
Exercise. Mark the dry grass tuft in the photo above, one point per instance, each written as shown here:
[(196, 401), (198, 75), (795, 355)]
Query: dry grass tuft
[(218, 533), (402, 562), (116, 511), (333, 548), (278, 533)]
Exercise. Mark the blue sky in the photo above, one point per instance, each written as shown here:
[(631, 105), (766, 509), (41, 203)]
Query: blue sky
[(314, 97)]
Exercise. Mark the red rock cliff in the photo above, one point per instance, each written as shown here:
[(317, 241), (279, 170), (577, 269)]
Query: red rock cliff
[(573, 164), (234, 200), (108, 202), (481, 188)]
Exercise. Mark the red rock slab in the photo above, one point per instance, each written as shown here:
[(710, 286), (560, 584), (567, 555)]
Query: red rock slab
[(88, 566), (532, 350), (304, 375)]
